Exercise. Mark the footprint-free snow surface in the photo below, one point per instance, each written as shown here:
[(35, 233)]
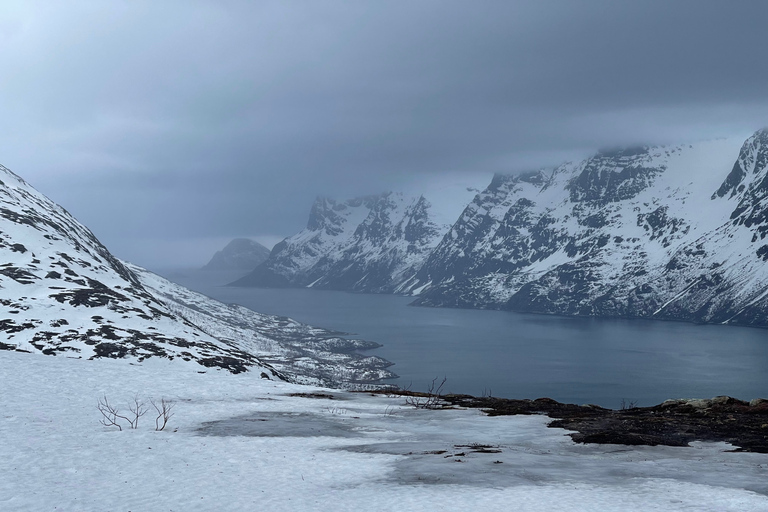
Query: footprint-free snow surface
[(238, 442)]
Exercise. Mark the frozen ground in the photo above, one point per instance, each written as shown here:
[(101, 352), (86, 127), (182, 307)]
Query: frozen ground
[(238, 442)]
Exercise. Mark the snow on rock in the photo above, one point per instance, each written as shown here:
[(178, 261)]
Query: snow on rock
[(674, 232), (300, 352), (63, 293), (659, 232), (372, 244)]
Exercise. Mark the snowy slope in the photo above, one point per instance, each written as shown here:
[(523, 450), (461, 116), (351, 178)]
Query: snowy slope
[(62, 292), (372, 244), (300, 352), (237, 442), (662, 232)]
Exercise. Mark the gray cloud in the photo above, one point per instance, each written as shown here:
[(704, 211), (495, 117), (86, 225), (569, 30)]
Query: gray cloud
[(169, 127)]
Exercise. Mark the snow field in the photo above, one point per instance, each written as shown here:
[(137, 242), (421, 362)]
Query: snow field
[(238, 442)]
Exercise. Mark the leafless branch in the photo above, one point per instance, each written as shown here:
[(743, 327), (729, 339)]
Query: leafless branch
[(110, 414), (164, 412), (626, 405), (430, 399), (138, 409)]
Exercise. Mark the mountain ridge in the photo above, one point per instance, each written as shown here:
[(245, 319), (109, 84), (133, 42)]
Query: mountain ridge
[(372, 243), (666, 232), (241, 254)]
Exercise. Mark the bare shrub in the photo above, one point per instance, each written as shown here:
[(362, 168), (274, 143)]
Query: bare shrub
[(430, 399), (111, 416), (138, 409), (164, 412), (626, 405)]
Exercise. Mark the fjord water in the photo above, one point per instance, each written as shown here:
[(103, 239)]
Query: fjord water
[(512, 355)]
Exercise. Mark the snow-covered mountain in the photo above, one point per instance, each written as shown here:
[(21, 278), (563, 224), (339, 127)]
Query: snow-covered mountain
[(63, 293), (371, 244), (653, 232), (241, 254)]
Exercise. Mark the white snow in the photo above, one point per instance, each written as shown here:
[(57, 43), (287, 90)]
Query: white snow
[(62, 292), (436, 204), (627, 243), (237, 442)]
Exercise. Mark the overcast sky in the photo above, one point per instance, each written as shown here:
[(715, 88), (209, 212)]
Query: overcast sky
[(170, 127)]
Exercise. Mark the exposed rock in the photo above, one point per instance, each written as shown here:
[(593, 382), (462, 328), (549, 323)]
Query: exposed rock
[(630, 234), (661, 232), (372, 244), (672, 423)]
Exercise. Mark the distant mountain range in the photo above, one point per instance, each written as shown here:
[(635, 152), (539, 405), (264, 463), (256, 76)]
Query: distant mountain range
[(63, 293), (667, 232), (241, 254), (369, 244)]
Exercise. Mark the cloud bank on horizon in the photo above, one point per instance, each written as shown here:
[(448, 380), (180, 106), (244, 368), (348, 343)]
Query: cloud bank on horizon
[(170, 128)]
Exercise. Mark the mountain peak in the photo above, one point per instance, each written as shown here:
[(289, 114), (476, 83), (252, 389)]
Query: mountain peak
[(241, 254)]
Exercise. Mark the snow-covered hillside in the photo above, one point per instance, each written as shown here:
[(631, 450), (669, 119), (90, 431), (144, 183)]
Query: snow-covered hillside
[(372, 244), (301, 353), (63, 293), (659, 232)]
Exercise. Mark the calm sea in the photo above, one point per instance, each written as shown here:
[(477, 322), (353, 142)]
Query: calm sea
[(512, 355)]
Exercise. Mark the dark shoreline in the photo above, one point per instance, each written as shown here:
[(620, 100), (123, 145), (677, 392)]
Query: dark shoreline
[(671, 423)]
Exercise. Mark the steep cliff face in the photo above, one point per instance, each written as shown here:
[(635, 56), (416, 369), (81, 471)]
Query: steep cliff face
[(653, 232), (648, 232), (307, 256), (372, 244)]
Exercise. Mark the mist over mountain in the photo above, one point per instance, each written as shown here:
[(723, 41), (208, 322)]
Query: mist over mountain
[(241, 254), (372, 244), (668, 232), (64, 293)]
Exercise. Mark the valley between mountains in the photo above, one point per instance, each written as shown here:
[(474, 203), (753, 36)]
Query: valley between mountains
[(255, 424)]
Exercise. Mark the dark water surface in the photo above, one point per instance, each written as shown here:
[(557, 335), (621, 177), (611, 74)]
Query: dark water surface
[(512, 355)]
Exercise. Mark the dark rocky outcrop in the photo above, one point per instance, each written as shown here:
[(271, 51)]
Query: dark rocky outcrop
[(672, 423)]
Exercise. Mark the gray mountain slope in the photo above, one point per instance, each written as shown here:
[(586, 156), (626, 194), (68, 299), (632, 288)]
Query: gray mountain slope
[(241, 254)]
